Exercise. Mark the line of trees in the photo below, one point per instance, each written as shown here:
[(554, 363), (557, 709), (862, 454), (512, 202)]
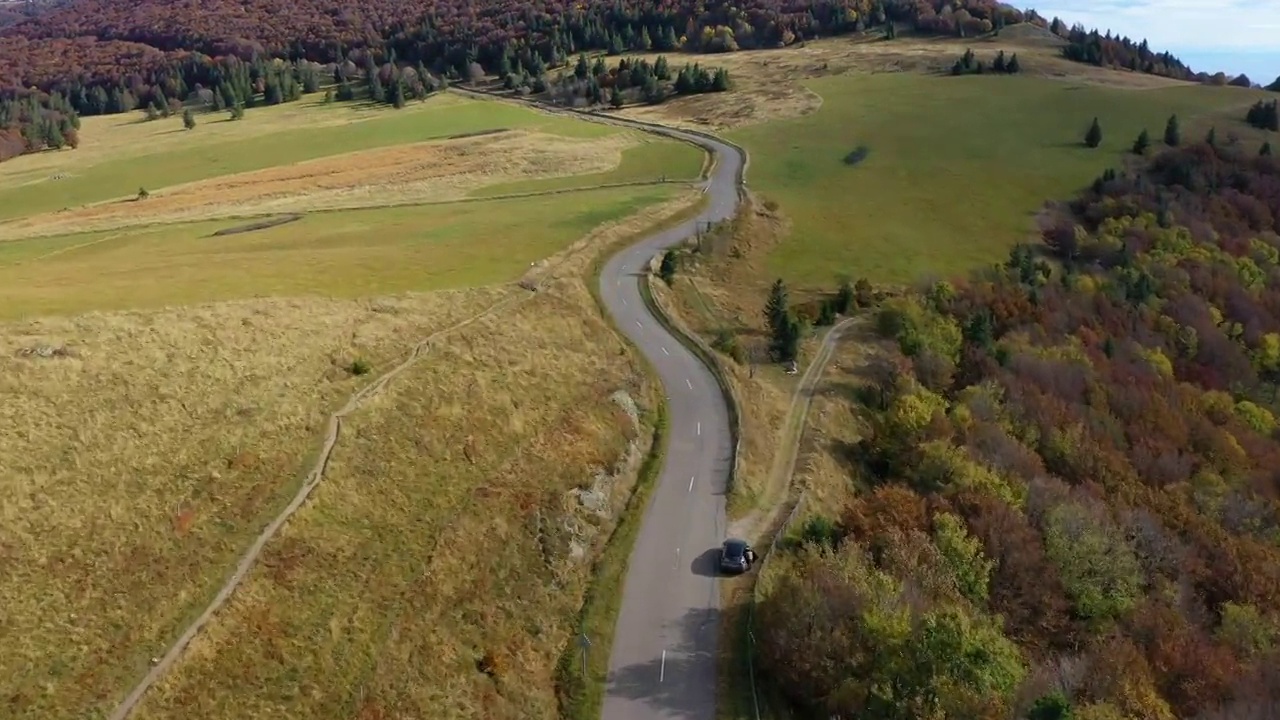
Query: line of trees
[(1172, 136), (1263, 115), (789, 323), (390, 84), (969, 64), (631, 79), (217, 84)]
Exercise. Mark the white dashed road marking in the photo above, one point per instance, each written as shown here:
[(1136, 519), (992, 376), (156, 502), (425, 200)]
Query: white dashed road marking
[(690, 484), (664, 351), (688, 382), (662, 671)]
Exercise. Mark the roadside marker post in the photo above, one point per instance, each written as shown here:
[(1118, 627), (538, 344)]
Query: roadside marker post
[(584, 642)]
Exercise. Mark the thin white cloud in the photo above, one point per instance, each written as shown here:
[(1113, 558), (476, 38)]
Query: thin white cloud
[(1181, 25)]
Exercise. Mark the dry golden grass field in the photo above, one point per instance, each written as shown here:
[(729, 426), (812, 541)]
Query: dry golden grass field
[(141, 460), (143, 457), (438, 570), (148, 435)]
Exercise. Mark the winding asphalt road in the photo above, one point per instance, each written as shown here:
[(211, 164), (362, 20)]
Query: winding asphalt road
[(662, 665), (663, 659)]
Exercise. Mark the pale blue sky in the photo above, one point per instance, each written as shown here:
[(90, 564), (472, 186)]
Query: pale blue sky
[(1234, 36)]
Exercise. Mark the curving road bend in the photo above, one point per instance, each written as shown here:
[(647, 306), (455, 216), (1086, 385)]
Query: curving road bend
[(663, 661)]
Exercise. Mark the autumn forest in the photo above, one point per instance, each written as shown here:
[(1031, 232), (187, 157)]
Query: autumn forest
[(1073, 470), (100, 56)]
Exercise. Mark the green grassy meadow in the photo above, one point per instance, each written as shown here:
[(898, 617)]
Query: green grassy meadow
[(343, 253), (212, 154), (958, 166)]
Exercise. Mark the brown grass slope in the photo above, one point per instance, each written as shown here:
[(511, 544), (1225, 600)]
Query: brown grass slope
[(438, 569), (139, 466), (144, 451), (439, 547)]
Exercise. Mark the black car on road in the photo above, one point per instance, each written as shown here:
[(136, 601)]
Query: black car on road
[(736, 556)]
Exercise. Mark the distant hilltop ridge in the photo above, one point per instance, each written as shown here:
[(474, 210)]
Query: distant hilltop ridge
[(106, 56)]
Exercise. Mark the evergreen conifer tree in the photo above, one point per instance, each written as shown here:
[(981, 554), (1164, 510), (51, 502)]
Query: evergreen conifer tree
[(1142, 143), (667, 270), (1172, 133), (1093, 138), (784, 331)]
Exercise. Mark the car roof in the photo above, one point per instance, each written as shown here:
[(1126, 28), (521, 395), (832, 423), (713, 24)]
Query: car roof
[(735, 543)]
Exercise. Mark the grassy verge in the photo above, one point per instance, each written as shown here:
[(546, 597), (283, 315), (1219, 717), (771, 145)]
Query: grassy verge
[(742, 694), (734, 662), (581, 696)]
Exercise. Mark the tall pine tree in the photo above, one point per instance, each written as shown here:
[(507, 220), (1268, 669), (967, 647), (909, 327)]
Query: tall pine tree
[(1093, 138), (784, 331)]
